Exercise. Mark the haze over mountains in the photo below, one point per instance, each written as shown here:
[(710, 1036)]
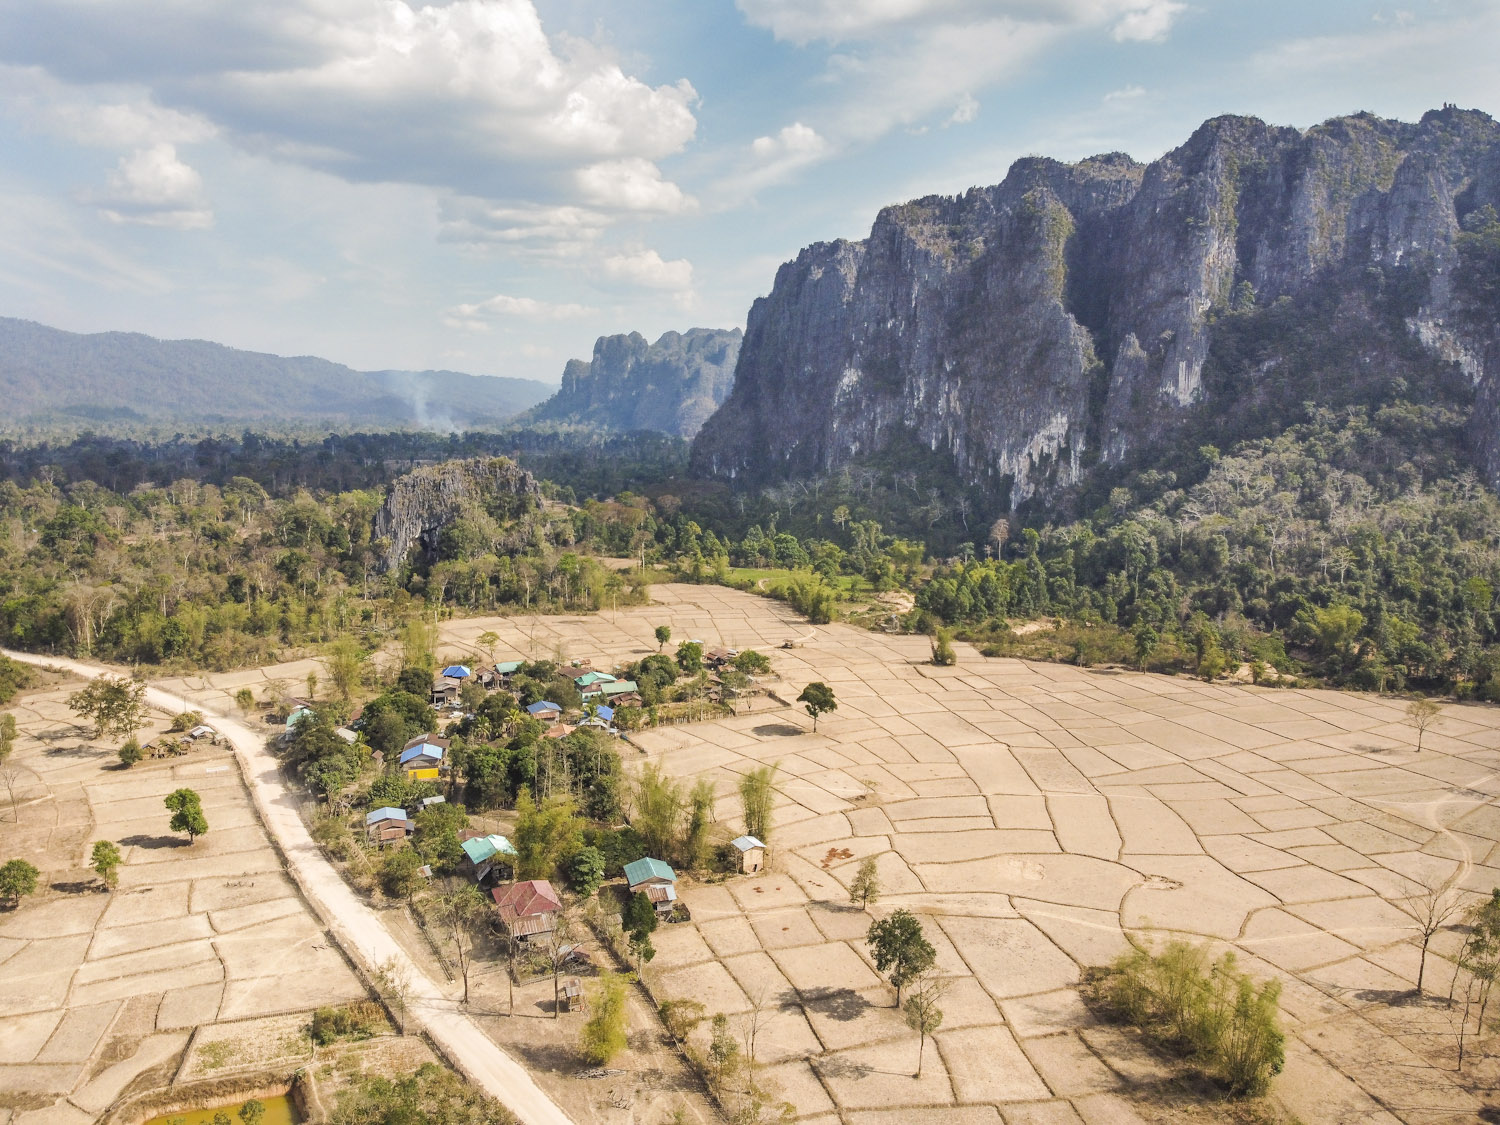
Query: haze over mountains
[(1082, 315), (48, 376)]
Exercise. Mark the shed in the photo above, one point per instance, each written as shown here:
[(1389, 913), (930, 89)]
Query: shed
[(203, 731), (752, 853), (572, 994)]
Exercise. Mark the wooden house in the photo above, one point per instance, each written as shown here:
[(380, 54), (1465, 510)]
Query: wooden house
[(424, 758), (544, 710), (527, 910), (387, 825), (656, 880)]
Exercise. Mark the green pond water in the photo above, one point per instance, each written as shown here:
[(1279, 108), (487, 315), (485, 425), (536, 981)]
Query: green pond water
[(278, 1112)]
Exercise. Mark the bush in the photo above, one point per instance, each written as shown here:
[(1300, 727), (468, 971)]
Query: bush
[(186, 721), (359, 1020), (130, 753), (1213, 1014)]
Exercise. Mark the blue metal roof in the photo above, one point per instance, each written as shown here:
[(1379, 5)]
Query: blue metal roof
[(385, 813), (644, 870), (605, 713), (457, 672), (425, 750), (544, 705)]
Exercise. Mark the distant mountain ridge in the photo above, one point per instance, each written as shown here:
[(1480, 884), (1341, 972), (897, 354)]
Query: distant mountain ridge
[(47, 375), (671, 386)]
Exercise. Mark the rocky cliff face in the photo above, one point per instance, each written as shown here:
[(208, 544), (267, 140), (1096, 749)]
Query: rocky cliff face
[(1064, 317), (489, 493), (671, 386)]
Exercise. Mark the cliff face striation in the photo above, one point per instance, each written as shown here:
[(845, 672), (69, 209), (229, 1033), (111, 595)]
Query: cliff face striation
[(482, 497), (670, 386), (1064, 317)]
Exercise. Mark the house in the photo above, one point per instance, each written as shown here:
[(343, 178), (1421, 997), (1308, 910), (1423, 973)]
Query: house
[(347, 735), (428, 802), (545, 710), (457, 672), (656, 880), (445, 690), (603, 718), (719, 657), (612, 691), (423, 758), (752, 853), (485, 856), (526, 910), (560, 730), (487, 678), (386, 825), (294, 716), (203, 732), (589, 679), (506, 669)]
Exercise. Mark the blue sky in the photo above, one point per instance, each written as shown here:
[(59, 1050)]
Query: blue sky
[(488, 185)]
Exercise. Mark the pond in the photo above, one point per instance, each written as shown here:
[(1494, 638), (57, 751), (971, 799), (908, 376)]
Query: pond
[(279, 1111)]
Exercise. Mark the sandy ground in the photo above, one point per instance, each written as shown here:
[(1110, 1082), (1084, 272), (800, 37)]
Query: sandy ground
[(98, 988), (1031, 814)]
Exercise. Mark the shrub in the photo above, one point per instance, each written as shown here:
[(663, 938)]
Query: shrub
[(681, 1017), (1213, 1014), (130, 753), (359, 1020), (185, 721)]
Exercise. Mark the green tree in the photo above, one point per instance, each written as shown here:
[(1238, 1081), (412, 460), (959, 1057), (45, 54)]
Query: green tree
[(244, 699), (105, 860), (545, 835), (752, 663), (657, 808), (116, 706), (1421, 714), (400, 873), (757, 795), (864, 888), (723, 1057), (586, 871), (17, 879), (700, 817), (690, 657), (252, 1112), (187, 813), (900, 949), (346, 665), (130, 753), (942, 648), (603, 1034), (7, 736), (461, 905), (663, 635), (923, 1013), (431, 1096), (817, 698)]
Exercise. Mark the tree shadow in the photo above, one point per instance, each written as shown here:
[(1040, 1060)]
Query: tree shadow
[(77, 887), (83, 751), (841, 1004), (776, 730), (151, 843), (837, 1066), (1394, 997)]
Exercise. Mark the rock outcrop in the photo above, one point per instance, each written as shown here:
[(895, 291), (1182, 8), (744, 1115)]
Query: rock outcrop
[(491, 493), (1064, 317), (671, 386)]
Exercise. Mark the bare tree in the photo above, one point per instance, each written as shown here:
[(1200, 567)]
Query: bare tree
[(764, 1007), (1422, 713), (393, 984), (460, 904), (1431, 904)]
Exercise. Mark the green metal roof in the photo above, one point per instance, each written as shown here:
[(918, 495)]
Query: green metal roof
[(644, 870)]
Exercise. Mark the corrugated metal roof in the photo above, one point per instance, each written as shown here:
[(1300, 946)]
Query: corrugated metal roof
[(458, 671), (542, 706), (386, 812), (426, 750), (644, 870), (746, 843), (507, 667)]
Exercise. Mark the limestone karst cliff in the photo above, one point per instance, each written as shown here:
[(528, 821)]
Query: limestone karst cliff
[(1063, 318), (426, 509), (670, 386)]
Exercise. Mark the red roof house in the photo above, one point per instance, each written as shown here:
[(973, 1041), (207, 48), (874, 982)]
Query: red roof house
[(526, 909)]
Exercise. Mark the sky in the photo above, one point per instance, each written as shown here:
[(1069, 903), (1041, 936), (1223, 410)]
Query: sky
[(489, 185)]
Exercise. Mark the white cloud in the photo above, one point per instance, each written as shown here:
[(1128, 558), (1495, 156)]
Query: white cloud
[(478, 317), (153, 187), (773, 159), (632, 184), (551, 231), (1125, 94), (647, 269), (100, 117), (1147, 22), (966, 110), (471, 96)]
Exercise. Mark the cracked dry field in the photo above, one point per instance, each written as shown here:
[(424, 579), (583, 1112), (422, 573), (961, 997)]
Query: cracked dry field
[(99, 991), (1030, 813)]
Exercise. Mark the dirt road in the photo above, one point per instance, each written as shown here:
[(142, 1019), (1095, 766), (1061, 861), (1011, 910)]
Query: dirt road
[(358, 929)]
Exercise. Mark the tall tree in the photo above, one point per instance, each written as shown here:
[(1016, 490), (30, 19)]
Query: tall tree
[(546, 834), (187, 813), (663, 635), (657, 808), (116, 706), (17, 879), (105, 860), (864, 888), (757, 795), (923, 1014), (603, 1035), (900, 949), (818, 698)]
